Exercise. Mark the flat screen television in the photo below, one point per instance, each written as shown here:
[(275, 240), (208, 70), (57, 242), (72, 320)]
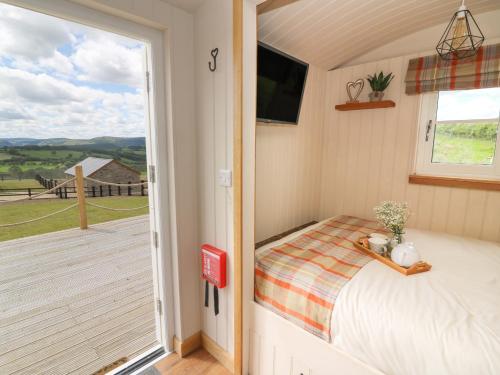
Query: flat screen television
[(281, 81)]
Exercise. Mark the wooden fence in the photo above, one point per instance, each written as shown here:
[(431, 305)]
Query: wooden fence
[(19, 191), (70, 191), (80, 193)]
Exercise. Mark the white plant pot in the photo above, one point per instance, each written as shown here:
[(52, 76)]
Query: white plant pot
[(376, 96)]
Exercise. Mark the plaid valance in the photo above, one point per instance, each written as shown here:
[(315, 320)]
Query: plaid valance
[(431, 73)]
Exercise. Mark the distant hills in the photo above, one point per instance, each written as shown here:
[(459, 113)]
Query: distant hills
[(28, 157), (98, 142)]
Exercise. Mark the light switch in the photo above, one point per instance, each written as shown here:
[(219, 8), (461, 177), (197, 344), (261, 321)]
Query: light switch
[(225, 177)]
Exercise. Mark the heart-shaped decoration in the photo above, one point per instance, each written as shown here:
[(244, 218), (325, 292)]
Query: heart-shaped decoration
[(356, 85)]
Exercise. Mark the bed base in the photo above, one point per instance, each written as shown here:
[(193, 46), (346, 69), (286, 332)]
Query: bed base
[(277, 347)]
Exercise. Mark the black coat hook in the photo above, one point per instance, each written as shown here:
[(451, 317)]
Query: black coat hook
[(214, 54)]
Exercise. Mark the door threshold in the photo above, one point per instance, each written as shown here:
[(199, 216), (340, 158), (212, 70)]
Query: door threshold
[(141, 362)]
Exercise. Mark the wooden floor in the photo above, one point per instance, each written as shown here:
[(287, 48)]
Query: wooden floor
[(197, 363), (74, 301)]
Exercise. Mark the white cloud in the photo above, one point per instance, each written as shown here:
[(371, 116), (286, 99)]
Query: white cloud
[(30, 37), (104, 60), (41, 106), (54, 76), (469, 104), (35, 88), (8, 114), (59, 63), (32, 41)]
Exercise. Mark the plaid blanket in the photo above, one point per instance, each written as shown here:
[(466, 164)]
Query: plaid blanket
[(301, 279)]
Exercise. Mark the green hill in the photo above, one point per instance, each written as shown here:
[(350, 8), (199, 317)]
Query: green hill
[(27, 157), (98, 141)]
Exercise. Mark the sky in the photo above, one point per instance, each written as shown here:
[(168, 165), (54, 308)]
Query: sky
[(469, 104), (63, 79)]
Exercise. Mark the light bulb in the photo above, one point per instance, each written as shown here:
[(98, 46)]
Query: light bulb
[(460, 29)]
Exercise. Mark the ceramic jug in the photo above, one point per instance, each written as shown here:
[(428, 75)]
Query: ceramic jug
[(405, 254)]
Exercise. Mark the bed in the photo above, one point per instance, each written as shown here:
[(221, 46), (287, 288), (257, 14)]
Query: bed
[(446, 321)]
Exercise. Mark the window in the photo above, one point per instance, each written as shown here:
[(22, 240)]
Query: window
[(458, 134)]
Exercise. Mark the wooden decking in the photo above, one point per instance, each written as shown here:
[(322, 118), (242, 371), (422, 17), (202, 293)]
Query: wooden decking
[(74, 301)]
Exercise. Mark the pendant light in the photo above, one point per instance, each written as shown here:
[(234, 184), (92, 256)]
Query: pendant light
[(462, 37)]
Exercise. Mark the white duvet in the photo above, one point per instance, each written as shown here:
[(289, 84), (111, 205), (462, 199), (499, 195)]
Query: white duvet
[(445, 321)]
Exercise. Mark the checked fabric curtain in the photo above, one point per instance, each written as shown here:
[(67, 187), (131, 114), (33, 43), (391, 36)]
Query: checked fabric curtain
[(431, 73)]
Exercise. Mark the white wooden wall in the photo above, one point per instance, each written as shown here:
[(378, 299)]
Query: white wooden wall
[(288, 165), (368, 155), (213, 29)]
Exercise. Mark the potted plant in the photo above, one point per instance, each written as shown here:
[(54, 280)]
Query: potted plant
[(379, 83)]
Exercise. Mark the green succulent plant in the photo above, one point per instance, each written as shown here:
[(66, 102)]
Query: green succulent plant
[(380, 82)]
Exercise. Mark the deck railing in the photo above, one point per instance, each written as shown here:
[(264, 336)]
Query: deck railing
[(81, 192)]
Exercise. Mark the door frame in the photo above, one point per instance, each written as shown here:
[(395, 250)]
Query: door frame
[(158, 140), (245, 15)]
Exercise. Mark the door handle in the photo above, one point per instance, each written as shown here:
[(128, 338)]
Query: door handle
[(428, 130)]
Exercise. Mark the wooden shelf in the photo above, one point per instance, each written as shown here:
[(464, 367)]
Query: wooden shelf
[(365, 105)]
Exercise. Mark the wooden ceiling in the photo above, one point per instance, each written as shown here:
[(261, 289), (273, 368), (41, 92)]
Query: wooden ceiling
[(329, 33)]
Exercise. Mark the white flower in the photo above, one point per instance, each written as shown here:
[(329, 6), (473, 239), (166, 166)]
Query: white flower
[(393, 215)]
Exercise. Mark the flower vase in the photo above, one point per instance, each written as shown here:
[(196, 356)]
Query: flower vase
[(398, 237)]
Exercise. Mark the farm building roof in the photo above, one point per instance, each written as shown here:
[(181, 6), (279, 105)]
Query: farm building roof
[(89, 166)]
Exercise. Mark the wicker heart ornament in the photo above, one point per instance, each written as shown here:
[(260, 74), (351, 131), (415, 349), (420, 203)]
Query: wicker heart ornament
[(356, 85)]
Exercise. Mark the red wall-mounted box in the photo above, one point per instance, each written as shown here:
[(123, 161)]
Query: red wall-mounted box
[(213, 264)]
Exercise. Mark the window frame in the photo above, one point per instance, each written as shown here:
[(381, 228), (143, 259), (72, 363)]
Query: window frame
[(424, 150)]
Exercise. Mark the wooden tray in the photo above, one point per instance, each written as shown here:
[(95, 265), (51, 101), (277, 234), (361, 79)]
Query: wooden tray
[(418, 267)]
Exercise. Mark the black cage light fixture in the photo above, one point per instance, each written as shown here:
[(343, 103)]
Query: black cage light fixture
[(462, 37)]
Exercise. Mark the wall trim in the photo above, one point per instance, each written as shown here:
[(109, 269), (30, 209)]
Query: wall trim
[(187, 346), (217, 352), (237, 187)]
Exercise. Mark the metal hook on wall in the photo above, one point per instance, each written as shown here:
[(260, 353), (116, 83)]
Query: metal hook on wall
[(214, 54)]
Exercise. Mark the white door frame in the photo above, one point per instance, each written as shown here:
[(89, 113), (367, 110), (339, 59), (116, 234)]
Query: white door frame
[(157, 139)]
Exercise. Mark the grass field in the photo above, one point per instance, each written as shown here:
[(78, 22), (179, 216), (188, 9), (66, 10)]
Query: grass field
[(20, 184), (465, 143), (460, 150), (4, 167), (16, 212), (4, 156), (54, 154)]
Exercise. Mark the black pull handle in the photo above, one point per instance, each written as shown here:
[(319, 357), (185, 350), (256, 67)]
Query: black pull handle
[(206, 293), (216, 300), (428, 130)]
